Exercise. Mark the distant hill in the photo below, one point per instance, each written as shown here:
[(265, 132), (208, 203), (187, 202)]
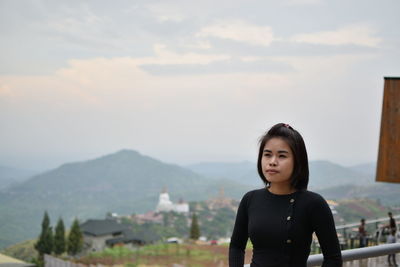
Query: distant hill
[(124, 182), (11, 176), (366, 168), (352, 210), (331, 180), (218, 222), (323, 174), (128, 182), (243, 172), (386, 193)]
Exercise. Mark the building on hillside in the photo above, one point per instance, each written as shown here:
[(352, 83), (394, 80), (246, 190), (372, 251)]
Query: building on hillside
[(165, 204), (100, 234), (221, 201), (151, 216)]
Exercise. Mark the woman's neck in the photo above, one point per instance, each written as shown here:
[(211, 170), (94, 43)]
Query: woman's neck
[(280, 189)]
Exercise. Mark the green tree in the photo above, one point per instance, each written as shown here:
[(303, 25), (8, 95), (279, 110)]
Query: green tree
[(194, 228), (45, 243), (75, 239), (59, 238)]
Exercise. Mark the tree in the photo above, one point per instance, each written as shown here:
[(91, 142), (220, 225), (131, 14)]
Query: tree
[(194, 228), (59, 238), (45, 243), (75, 239)]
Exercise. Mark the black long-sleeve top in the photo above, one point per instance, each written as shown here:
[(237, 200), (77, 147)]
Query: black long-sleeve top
[(280, 228)]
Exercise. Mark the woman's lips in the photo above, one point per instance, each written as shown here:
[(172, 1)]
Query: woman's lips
[(272, 171)]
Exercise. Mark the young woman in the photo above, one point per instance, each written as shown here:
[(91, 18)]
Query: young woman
[(281, 218)]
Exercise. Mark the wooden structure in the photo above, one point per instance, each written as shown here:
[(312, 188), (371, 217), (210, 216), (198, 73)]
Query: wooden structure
[(388, 167)]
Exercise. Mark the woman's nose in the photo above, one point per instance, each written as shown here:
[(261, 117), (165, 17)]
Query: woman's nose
[(273, 161)]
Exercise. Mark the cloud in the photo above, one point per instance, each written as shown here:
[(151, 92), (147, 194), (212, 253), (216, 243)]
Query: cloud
[(244, 65), (164, 12), (164, 56), (5, 90), (90, 80), (115, 103), (198, 44), (301, 2), (361, 35), (240, 31)]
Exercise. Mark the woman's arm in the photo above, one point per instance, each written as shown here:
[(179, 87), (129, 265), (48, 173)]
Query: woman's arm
[(324, 227), (239, 236)]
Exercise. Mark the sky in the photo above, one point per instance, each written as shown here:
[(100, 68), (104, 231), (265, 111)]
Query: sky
[(192, 81)]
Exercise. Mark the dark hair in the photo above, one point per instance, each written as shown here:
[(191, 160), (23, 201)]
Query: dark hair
[(299, 178)]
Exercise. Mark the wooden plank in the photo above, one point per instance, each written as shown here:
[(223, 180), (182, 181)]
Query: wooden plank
[(388, 167)]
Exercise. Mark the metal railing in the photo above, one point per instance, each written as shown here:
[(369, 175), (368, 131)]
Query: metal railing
[(356, 254), (370, 221)]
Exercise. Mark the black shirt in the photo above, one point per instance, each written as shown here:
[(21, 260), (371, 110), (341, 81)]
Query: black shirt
[(280, 228), (392, 224)]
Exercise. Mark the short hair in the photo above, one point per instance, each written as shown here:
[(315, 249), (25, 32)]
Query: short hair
[(300, 174)]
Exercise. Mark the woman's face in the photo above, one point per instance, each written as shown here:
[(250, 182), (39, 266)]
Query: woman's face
[(277, 161)]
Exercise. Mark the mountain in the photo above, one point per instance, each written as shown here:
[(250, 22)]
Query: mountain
[(386, 193), (323, 174), (125, 182), (11, 176), (242, 172), (331, 180), (366, 168)]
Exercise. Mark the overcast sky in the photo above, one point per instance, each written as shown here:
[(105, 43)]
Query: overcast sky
[(192, 81)]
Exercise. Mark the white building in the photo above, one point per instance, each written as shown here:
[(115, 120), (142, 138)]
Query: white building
[(165, 204)]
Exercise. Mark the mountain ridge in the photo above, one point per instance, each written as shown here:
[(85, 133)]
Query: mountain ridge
[(125, 182), (10, 176), (323, 174), (128, 182)]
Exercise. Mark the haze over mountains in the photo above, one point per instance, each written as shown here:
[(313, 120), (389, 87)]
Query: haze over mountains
[(323, 174), (127, 182), (11, 176)]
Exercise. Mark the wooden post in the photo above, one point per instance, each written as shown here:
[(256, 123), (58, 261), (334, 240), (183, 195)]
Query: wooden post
[(388, 167)]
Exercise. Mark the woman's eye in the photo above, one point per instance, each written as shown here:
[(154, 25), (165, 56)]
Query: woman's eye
[(282, 156), (267, 155)]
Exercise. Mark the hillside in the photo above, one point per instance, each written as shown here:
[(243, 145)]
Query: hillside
[(243, 172), (388, 194), (352, 210), (217, 222), (366, 168), (24, 251), (124, 182), (325, 174), (127, 182), (11, 176), (331, 180)]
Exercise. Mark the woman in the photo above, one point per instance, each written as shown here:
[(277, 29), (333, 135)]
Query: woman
[(281, 218)]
